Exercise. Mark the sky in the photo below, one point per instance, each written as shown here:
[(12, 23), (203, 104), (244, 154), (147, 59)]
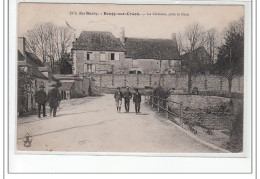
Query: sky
[(140, 26)]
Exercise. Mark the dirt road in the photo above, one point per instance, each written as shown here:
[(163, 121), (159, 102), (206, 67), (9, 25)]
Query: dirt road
[(93, 125)]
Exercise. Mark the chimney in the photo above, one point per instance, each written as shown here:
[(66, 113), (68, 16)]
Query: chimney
[(122, 35), (21, 45), (173, 37)]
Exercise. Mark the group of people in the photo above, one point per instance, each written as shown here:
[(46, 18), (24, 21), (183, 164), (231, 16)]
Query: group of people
[(53, 98), (127, 97)]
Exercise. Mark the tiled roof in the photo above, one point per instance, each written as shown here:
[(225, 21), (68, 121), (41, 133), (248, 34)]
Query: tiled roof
[(98, 41), (34, 62), (161, 49), (34, 59)]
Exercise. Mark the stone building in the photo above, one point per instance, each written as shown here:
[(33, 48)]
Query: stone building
[(73, 86), (97, 52), (101, 52), (153, 56)]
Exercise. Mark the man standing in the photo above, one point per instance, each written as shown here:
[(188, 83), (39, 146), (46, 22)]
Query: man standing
[(127, 96), (118, 98), (54, 99), (41, 99), (137, 100)]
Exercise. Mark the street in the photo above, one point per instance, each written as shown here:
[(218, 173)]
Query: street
[(92, 124)]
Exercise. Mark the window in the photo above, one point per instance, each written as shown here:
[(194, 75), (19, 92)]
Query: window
[(85, 68), (87, 55), (134, 63), (103, 57), (112, 57), (89, 68)]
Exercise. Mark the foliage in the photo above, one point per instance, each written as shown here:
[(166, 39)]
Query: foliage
[(231, 54), (24, 85), (65, 66)]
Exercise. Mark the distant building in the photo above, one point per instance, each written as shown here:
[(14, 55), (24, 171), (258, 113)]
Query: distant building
[(101, 52), (200, 55), (151, 56), (39, 72), (73, 86)]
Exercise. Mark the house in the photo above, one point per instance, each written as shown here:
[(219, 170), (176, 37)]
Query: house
[(73, 86), (101, 52), (151, 56), (200, 55), (97, 52), (36, 72), (200, 59)]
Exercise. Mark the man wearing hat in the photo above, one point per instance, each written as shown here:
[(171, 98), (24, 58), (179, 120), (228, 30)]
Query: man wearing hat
[(137, 100), (53, 99), (127, 97), (40, 99), (118, 98)]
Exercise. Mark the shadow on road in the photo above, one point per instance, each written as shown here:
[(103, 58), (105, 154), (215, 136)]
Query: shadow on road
[(50, 118), (61, 130)]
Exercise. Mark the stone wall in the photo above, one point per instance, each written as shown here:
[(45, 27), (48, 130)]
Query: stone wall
[(179, 82)]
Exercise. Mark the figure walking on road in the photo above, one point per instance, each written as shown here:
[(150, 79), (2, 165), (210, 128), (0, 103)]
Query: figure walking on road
[(118, 98), (127, 96), (41, 99), (54, 99), (137, 100)]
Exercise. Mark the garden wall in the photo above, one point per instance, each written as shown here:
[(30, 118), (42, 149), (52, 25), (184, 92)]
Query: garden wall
[(179, 82)]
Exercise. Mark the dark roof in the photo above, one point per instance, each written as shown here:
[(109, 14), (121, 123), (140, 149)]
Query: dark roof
[(34, 59), (34, 64), (20, 56), (199, 54), (98, 41), (161, 49)]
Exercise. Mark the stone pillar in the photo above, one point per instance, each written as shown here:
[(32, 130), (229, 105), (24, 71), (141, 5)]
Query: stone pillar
[(113, 80), (100, 80), (125, 80)]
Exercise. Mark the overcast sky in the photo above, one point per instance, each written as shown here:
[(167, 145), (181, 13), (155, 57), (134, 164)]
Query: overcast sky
[(143, 26)]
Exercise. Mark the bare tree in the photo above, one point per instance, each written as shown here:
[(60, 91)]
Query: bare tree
[(193, 37), (212, 41), (49, 41)]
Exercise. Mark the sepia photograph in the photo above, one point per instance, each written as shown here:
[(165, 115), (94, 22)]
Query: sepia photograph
[(130, 78)]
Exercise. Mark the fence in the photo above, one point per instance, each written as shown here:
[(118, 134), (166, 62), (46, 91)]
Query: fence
[(162, 105)]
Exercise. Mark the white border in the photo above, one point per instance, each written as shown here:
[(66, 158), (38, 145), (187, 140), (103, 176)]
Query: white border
[(134, 162)]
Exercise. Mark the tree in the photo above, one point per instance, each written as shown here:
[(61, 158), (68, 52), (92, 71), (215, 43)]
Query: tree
[(212, 41), (231, 54), (192, 38), (49, 41), (24, 86)]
